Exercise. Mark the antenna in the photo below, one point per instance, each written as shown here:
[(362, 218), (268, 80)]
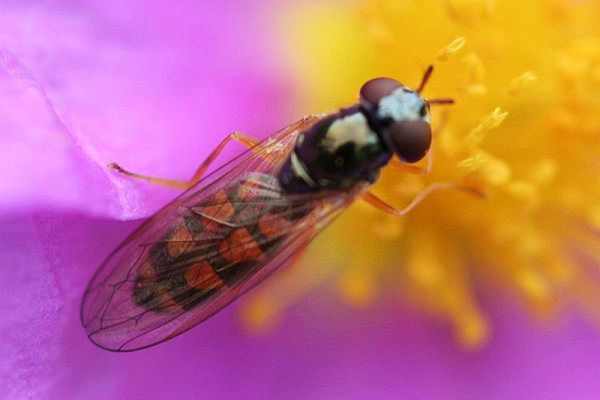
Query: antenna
[(441, 102), (425, 78)]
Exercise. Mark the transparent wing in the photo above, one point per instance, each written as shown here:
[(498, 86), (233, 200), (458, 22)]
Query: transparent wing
[(203, 250)]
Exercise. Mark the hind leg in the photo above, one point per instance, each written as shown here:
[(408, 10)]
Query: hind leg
[(246, 140)]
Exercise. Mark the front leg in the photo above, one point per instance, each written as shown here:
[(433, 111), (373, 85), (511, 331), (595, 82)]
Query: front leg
[(418, 199)]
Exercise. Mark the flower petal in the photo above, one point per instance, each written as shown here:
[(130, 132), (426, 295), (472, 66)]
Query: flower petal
[(155, 90)]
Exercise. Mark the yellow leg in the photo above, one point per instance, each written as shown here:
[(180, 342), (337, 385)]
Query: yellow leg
[(200, 171), (422, 195)]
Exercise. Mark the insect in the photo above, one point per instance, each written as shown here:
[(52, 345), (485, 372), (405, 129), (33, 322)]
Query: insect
[(232, 228)]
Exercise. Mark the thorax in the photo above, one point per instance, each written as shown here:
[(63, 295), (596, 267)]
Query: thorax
[(337, 152)]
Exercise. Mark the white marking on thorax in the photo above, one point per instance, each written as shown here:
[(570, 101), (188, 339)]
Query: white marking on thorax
[(402, 106), (353, 129), (300, 170)]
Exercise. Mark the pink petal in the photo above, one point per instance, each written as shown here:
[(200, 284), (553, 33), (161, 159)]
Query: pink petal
[(154, 90)]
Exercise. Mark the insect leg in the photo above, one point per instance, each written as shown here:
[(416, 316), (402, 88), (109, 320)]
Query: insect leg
[(200, 171), (422, 195), (239, 137)]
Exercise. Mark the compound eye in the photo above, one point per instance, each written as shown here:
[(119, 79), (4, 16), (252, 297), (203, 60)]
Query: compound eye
[(410, 140), (376, 89)]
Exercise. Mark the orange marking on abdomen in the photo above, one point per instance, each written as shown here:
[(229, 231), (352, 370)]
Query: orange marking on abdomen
[(272, 225), (202, 276), (146, 270), (222, 210), (153, 294), (179, 241), (240, 246)]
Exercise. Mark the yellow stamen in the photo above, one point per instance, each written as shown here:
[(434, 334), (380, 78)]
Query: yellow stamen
[(476, 70), (538, 169), (451, 49), (491, 121), (521, 83), (493, 170)]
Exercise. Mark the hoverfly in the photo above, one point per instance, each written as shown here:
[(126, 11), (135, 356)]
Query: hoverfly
[(234, 227)]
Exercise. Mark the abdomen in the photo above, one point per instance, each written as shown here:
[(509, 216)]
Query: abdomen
[(215, 244)]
